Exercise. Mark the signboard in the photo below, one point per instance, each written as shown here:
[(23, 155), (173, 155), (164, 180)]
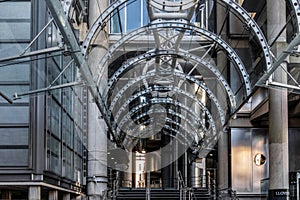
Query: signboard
[(279, 194)]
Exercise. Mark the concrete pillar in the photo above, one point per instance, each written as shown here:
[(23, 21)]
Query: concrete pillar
[(128, 182), (5, 194), (34, 193), (53, 195), (66, 196), (222, 170), (166, 171), (97, 140), (278, 109), (97, 154), (223, 160)]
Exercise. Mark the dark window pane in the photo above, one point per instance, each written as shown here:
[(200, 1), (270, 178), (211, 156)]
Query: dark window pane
[(21, 10), (13, 157), (11, 31), (14, 114), (16, 73), (14, 136)]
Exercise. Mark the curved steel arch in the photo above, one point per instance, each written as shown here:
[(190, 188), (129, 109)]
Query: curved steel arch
[(99, 22), (154, 100), (296, 6), (151, 74), (127, 118), (177, 103), (174, 130), (253, 25), (236, 7), (183, 25), (182, 54)]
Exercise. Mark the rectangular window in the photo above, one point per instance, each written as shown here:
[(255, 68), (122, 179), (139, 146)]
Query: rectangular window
[(132, 16), (12, 24), (55, 118), (55, 157), (17, 73), (14, 146)]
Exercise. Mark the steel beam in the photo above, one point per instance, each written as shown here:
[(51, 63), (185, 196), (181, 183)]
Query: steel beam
[(295, 42), (70, 39), (32, 53)]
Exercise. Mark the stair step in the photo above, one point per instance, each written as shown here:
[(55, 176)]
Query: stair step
[(170, 194)]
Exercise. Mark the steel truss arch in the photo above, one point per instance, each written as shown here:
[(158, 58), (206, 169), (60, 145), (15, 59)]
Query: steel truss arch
[(296, 6), (151, 74), (182, 24), (250, 22), (203, 141), (208, 140), (177, 103), (199, 103), (158, 100), (184, 55), (100, 22), (127, 118)]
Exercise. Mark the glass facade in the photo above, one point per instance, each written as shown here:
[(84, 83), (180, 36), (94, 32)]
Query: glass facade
[(65, 127), (14, 77), (65, 130)]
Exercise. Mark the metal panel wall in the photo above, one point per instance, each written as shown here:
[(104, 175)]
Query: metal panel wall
[(245, 144)]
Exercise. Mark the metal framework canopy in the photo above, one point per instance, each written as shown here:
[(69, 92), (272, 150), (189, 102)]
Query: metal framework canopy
[(186, 80), (177, 66)]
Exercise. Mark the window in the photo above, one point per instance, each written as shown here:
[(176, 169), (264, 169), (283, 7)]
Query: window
[(132, 16)]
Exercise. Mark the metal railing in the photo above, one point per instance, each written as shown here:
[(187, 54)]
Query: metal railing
[(227, 193), (187, 190), (184, 190)]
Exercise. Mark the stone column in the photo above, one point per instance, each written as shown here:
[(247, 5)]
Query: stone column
[(97, 140), (278, 109), (6, 194), (34, 193), (97, 153), (222, 170), (53, 195), (66, 196)]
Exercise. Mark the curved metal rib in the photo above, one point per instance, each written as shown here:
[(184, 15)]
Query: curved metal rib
[(182, 24), (154, 101), (182, 54), (296, 6), (128, 116), (151, 74), (134, 128), (250, 22), (100, 22)]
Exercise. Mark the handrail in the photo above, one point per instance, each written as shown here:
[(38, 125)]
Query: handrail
[(182, 186), (227, 191)]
